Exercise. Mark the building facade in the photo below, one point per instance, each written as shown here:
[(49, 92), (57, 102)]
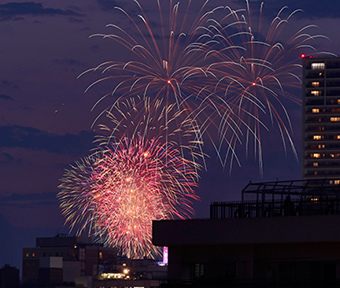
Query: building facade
[(321, 118), (9, 277), (282, 234), (61, 259)]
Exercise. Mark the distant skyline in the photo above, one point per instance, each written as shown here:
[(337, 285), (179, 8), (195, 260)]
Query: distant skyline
[(45, 117)]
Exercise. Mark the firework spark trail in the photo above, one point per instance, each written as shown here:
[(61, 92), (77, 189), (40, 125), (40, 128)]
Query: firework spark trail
[(170, 67), (256, 65), (159, 67), (232, 74), (230, 78), (133, 178), (153, 119), (129, 185)]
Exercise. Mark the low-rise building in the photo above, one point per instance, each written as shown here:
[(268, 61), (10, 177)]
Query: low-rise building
[(64, 260), (9, 277), (281, 233)]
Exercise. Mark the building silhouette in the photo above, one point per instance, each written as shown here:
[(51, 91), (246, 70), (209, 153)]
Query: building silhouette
[(9, 277), (63, 260), (282, 234), (321, 118)]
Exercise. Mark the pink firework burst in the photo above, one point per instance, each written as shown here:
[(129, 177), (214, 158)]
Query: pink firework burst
[(127, 186)]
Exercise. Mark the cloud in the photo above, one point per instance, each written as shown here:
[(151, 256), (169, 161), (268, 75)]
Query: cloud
[(8, 84), (109, 4), (6, 97), (68, 63), (35, 139), (14, 9), (33, 199), (6, 158), (312, 9)]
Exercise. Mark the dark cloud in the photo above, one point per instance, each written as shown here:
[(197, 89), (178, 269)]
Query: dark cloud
[(109, 4), (311, 8), (8, 84), (6, 158), (13, 10), (6, 97), (34, 139), (32, 199), (94, 48), (68, 62)]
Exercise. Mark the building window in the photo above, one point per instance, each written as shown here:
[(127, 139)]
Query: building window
[(315, 92), (321, 146), (315, 155), (337, 137), (199, 270), (33, 254), (315, 84), (335, 155), (315, 110), (336, 182), (335, 119), (315, 164), (318, 66), (317, 137), (27, 255), (100, 255)]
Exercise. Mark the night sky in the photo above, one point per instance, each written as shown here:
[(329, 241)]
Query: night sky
[(45, 117)]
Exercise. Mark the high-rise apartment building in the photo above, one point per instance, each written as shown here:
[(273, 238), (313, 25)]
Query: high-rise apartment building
[(321, 118)]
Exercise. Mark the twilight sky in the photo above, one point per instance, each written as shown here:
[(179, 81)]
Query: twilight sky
[(45, 117)]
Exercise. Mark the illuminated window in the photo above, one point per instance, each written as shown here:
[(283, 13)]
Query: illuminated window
[(100, 255), (315, 155), (336, 182), (338, 101), (317, 137), (315, 93), (315, 164), (33, 254), (334, 155), (27, 255), (337, 137), (315, 84), (315, 110), (318, 66), (321, 146), (335, 119)]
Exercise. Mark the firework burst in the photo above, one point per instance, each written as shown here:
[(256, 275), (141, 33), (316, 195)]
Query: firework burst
[(134, 177), (230, 70), (163, 62), (118, 194), (257, 64)]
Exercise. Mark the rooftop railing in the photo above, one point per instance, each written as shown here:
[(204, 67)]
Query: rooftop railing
[(282, 198)]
